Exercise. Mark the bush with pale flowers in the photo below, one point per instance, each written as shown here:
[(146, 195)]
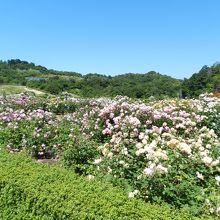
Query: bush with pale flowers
[(166, 150)]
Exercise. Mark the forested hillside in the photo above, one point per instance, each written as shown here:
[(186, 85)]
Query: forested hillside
[(206, 80), (95, 85)]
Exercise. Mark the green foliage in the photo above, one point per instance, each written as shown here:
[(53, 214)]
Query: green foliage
[(11, 89), (79, 155), (33, 191), (61, 107), (96, 85), (206, 80), (90, 85)]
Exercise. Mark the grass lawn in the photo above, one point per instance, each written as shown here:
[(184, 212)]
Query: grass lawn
[(14, 89)]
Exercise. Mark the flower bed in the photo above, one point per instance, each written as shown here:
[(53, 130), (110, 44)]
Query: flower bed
[(159, 151)]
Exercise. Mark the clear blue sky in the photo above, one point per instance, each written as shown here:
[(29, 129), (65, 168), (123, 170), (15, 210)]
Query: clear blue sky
[(173, 37)]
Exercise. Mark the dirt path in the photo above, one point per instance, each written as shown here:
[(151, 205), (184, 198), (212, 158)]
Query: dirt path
[(37, 92)]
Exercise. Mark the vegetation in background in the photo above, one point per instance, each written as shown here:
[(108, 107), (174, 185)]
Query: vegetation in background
[(95, 85), (206, 80), (90, 85), (16, 89)]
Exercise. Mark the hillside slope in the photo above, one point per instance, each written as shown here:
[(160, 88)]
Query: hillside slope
[(206, 80), (95, 85)]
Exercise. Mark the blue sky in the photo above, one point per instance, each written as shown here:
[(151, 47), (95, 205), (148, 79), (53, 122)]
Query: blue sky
[(173, 37)]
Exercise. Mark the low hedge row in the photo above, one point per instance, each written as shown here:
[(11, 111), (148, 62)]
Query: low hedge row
[(29, 190)]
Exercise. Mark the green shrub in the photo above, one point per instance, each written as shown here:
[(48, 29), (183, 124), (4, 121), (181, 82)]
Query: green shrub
[(35, 191), (62, 107), (80, 154)]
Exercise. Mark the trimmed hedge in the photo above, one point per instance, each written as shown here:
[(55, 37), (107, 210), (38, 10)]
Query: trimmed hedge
[(29, 190)]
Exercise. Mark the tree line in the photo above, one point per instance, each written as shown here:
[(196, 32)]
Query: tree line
[(132, 85)]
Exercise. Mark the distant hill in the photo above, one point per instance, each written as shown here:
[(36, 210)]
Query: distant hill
[(206, 80), (134, 85)]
